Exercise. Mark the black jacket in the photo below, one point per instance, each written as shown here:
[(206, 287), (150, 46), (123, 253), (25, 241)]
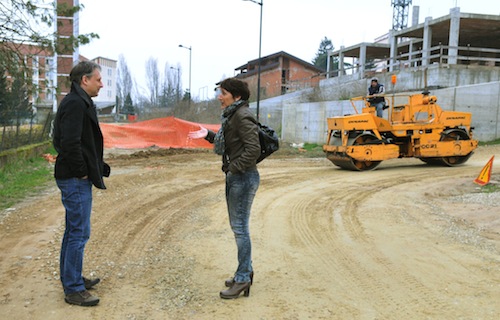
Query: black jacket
[(379, 88), (78, 139), (241, 138)]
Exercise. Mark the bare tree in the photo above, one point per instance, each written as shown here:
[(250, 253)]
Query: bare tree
[(171, 85), (27, 36), (153, 81), (124, 81), (177, 83)]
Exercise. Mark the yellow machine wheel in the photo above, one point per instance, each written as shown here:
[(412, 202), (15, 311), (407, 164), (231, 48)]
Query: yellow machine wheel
[(450, 135), (346, 162)]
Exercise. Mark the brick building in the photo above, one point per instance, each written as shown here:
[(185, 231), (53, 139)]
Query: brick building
[(50, 71), (280, 73), (68, 26)]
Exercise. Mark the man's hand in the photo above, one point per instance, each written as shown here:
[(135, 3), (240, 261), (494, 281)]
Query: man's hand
[(200, 134)]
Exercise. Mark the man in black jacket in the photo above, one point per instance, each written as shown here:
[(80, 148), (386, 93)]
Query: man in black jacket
[(79, 143), (378, 102)]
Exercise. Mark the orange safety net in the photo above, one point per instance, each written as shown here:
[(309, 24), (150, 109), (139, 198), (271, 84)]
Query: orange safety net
[(167, 132)]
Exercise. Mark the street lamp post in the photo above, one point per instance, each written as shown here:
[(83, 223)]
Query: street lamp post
[(261, 4), (177, 90), (190, 51)]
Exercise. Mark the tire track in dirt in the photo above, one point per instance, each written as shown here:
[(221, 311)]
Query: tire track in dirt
[(339, 229), (322, 234), (328, 243), (421, 297), (377, 280), (138, 224)]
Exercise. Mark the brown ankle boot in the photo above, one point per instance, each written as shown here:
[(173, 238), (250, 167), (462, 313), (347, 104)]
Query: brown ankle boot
[(229, 282), (235, 290)]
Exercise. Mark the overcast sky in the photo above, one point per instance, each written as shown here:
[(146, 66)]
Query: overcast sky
[(224, 34)]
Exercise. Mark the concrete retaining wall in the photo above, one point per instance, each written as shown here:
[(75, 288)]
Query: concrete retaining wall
[(25, 152)]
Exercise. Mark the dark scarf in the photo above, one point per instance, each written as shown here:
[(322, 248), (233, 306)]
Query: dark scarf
[(219, 141)]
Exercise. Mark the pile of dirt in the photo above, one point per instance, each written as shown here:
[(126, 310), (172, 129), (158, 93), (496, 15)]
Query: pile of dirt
[(150, 152)]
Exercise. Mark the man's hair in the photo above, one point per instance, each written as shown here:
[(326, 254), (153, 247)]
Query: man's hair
[(83, 68), (236, 87)]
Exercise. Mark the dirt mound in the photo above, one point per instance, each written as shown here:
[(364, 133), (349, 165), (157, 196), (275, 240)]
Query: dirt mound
[(149, 153)]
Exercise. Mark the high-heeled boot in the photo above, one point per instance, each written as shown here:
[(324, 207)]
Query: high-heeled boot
[(229, 282), (235, 290)]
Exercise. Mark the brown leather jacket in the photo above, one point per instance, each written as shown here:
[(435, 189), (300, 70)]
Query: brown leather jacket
[(242, 146)]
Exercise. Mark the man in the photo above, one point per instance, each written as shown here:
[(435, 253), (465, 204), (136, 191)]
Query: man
[(79, 165), (378, 102)]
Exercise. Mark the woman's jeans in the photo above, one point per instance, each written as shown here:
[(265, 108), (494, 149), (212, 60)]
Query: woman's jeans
[(76, 195), (240, 192)]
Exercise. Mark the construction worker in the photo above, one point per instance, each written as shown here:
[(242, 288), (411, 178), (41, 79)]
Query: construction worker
[(376, 88)]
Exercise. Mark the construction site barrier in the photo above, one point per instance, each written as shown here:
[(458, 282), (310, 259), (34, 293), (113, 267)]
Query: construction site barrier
[(167, 132)]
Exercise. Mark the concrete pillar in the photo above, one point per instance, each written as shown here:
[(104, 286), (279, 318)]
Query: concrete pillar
[(426, 44), (394, 50), (412, 49), (454, 35), (362, 60), (341, 61), (415, 15), (328, 63)]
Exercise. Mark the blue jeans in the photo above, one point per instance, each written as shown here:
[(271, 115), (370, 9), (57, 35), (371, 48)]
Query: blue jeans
[(76, 195), (240, 192), (380, 108)]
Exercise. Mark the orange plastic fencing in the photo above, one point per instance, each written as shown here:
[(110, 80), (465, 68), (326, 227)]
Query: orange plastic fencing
[(167, 132)]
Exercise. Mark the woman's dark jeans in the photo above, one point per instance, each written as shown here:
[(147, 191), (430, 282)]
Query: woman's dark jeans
[(240, 192)]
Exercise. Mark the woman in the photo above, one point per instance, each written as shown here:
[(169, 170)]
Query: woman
[(237, 142)]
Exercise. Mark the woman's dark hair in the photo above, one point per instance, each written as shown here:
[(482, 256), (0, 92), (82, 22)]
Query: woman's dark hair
[(236, 87), (83, 68)]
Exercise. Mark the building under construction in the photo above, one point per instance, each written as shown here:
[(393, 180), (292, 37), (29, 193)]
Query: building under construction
[(463, 43)]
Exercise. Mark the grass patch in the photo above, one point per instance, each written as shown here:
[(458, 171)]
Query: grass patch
[(486, 143), (22, 178), (308, 150), (490, 188)]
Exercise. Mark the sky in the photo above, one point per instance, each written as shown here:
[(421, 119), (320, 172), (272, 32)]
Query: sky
[(224, 34)]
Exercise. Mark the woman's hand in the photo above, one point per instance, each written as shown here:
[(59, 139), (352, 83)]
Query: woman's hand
[(200, 134)]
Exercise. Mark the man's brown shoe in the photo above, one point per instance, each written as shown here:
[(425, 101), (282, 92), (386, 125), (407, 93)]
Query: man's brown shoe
[(82, 298), (89, 283)]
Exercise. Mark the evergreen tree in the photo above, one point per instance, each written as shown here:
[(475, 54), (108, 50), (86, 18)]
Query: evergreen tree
[(320, 60), (19, 98), (128, 106)]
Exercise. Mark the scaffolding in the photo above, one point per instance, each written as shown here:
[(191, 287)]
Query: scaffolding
[(400, 14)]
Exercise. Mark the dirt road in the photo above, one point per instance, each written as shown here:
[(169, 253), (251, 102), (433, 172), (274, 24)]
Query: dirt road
[(406, 241)]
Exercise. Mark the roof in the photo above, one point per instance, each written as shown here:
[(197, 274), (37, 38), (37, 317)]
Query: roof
[(104, 104), (373, 50), (277, 55)]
